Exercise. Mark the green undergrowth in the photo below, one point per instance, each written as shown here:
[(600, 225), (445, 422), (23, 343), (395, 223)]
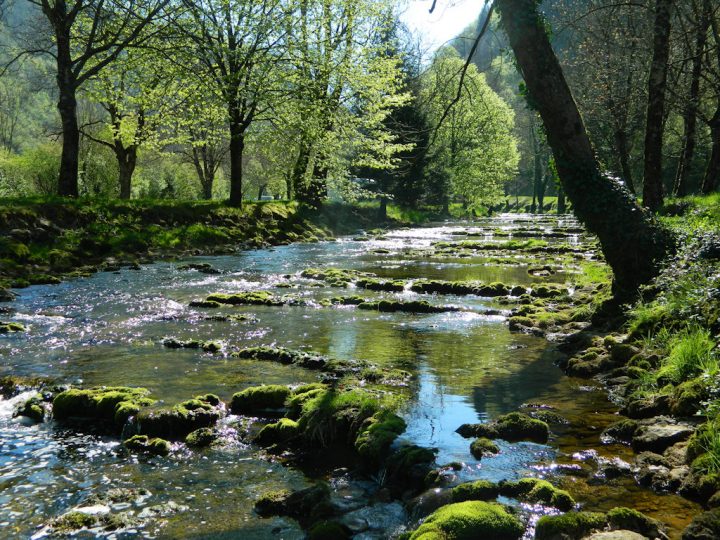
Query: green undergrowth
[(42, 240)]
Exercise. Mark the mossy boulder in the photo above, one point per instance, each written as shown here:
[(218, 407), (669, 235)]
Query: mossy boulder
[(535, 490), (409, 466), (687, 398), (621, 518), (410, 306), (11, 327), (251, 298), (32, 408), (201, 438), (705, 526), (306, 505), (479, 490), (109, 406), (570, 526), (176, 423), (469, 520), (512, 427), (621, 431), (377, 434), (482, 447), (307, 360), (143, 443), (280, 432), (258, 399), (380, 285), (73, 521)]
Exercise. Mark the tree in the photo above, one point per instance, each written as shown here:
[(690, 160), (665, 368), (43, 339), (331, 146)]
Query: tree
[(712, 172), (473, 144), (86, 37), (236, 48), (690, 113), (655, 119), (347, 80), (135, 93), (632, 241)]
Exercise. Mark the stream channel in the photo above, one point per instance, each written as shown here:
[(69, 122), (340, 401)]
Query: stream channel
[(467, 366)]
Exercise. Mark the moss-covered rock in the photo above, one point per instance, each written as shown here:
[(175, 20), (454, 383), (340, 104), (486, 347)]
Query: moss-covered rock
[(570, 526), (11, 327), (621, 518), (252, 298), (705, 526), (258, 399), (687, 398), (482, 447), (32, 408), (535, 490), (201, 438), (409, 466), (176, 423), (409, 306), (621, 431), (377, 434), (469, 520), (511, 427), (306, 505), (143, 443), (280, 433), (307, 360), (109, 406), (380, 285), (72, 521), (479, 490)]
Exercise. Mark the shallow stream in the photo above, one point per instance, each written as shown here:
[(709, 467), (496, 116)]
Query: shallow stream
[(108, 330)]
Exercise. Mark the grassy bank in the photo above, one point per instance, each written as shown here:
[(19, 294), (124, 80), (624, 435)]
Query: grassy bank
[(46, 240)]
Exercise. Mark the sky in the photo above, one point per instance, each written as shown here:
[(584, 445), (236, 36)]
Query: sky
[(448, 20)]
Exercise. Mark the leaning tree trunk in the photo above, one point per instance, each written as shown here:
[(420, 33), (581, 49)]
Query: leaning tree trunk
[(690, 114), (561, 206), (632, 241), (712, 173), (652, 179)]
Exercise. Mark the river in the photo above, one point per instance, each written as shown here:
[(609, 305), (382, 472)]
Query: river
[(108, 330)]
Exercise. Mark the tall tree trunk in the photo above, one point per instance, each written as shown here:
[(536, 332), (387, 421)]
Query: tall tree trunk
[(67, 107), (622, 147), (205, 169), (127, 160), (632, 241), (299, 172), (237, 147), (712, 173), (690, 114), (652, 178), (561, 206)]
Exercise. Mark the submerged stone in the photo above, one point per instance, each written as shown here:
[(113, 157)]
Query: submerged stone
[(570, 526), (201, 438), (11, 327), (482, 447)]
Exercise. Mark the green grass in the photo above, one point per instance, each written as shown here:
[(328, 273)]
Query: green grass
[(691, 353)]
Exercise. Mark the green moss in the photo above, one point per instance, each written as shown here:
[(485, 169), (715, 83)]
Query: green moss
[(281, 432), (380, 285), (687, 398), (479, 490), (482, 447), (259, 398), (72, 521), (176, 423), (573, 525), (410, 306), (376, 435), (253, 298), (469, 520), (9, 327), (143, 443), (632, 520), (111, 406), (511, 427), (272, 502), (32, 408), (535, 490), (201, 438)]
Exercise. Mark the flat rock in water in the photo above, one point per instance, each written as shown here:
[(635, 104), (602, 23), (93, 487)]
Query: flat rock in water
[(616, 535), (658, 437)]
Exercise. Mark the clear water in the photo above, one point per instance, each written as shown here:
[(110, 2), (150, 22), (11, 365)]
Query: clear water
[(107, 330)]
